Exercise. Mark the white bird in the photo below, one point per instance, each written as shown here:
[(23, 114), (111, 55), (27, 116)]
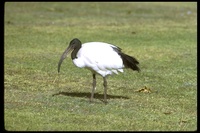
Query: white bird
[(100, 58)]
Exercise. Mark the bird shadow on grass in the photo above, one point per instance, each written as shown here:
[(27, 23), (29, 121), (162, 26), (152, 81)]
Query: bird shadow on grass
[(88, 95)]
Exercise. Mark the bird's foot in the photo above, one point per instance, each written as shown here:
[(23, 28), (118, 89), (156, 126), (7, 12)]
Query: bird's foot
[(106, 102)]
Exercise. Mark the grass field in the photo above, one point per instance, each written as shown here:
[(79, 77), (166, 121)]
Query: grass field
[(162, 36)]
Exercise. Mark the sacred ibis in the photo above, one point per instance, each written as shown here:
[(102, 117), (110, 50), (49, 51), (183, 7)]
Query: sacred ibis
[(100, 58)]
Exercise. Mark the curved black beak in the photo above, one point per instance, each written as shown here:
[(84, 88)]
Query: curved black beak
[(64, 55)]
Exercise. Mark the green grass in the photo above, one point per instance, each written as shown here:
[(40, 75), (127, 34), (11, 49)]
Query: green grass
[(162, 36)]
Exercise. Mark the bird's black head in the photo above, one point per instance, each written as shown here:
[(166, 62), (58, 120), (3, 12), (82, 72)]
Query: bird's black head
[(74, 46), (74, 43)]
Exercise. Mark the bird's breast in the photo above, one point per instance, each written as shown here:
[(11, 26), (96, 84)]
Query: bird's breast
[(78, 62)]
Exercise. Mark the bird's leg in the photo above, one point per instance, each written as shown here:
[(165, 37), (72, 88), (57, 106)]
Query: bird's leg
[(105, 89), (93, 87)]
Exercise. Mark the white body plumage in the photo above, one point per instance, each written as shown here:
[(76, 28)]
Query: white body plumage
[(99, 57)]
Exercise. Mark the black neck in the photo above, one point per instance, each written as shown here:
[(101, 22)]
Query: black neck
[(75, 51)]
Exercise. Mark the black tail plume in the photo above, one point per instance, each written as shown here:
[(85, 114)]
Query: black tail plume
[(129, 62)]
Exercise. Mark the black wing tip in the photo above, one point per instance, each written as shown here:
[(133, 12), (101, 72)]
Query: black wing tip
[(130, 62), (134, 67)]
